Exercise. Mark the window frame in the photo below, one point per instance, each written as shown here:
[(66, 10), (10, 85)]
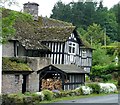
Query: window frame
[(72, 48), (84, 53), (17, 78)]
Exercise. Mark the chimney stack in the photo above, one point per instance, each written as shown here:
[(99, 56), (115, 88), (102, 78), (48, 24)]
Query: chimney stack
[(31, 8)]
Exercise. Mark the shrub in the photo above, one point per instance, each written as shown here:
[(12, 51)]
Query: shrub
[(41, 95), (106, 77), (115, 75), (85, 90), (118, 81), (56, 93), (5, 99), (95, 87), (35, 98), (64, 93), (27, 100), (107, 87), (12, 99), (48, 95)]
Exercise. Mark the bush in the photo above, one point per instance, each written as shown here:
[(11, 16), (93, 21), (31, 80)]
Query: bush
[(85, 90), (27, 100), (12, 99), (118, 81), (107, 88), (41, 95), (48, 95), (95, 88), (115, 75), (106, 77)]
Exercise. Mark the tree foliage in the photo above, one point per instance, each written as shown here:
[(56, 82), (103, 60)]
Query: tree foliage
[(100, 56), (4, 3), (95, 34), (7, 27), (84, 14)]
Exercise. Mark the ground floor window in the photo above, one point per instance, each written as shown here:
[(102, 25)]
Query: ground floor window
[(16, 79)]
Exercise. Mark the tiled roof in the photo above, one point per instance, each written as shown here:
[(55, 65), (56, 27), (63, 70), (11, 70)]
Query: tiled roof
[(74, 69), (70, 68), (10, 64), (31, 33)]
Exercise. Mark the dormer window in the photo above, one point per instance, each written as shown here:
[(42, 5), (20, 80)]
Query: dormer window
[(72, 47)]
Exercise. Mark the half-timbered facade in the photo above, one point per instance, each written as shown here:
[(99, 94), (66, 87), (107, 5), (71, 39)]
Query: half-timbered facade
[(55, 41)]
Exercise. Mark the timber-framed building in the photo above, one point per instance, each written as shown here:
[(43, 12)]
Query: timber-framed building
[(50, 49)]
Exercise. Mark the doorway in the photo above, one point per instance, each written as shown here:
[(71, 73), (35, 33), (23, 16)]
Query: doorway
[(24, 83)]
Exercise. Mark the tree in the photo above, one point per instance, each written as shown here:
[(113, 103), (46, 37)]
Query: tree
[(4, 3), (7, 26), (100, 56), (95, 34), (78, 13)]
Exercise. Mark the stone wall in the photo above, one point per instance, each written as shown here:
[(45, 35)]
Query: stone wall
[(8, 80), (9, 85), (36, 63), (8, 49)]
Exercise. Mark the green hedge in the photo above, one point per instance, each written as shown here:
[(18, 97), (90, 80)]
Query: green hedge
[(103, 70), (95, 87)]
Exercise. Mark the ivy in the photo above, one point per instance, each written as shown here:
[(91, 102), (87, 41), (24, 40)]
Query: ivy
[(9, 17)]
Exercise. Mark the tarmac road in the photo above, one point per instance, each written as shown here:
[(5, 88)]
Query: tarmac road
[(113, 99)]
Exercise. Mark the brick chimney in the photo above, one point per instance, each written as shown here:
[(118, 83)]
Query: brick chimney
[(31, 8)]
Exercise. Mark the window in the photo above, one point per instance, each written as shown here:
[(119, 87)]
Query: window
[(29, 53), (35, 53), (16, 79), (84, 55), (72, 47)]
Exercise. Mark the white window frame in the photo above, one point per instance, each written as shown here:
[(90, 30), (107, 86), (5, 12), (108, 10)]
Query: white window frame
[(72, 48)]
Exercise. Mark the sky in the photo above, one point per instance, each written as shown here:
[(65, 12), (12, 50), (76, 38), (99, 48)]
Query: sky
[(46, 6)]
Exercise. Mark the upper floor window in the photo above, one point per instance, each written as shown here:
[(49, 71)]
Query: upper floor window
[(84, 53), (72, 47)]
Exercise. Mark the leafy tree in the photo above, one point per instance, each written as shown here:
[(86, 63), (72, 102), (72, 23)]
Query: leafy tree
[(7, 26), (100, 56), (7, 22), (84, 14), (95, 34), (78, 13)]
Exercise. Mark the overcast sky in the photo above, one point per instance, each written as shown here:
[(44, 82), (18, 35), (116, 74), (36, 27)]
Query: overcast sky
[(46, 6)]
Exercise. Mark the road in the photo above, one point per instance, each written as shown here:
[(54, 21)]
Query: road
[(113, 98), (97, 100)]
